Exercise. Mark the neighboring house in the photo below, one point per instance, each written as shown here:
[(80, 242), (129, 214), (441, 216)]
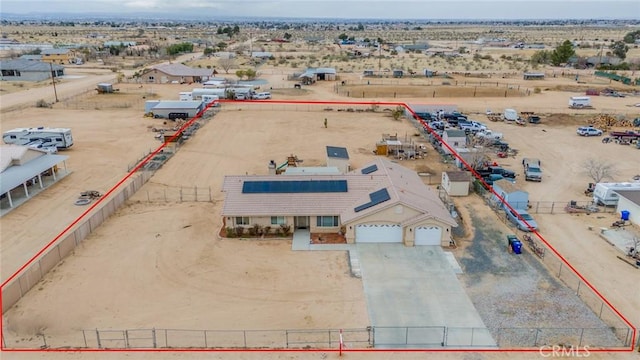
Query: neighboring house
[(397, 73), (117, 43), (533, 76), (455, 139), (383, 202), (174, 73), (312, 75), (629, 200), (28, 70), (25, 171), (517, 198), (456, 183), (57, 56), (595, 61), (31, 57), (338, 157)]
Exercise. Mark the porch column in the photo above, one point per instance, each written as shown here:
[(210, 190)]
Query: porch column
[(54, 173), (26, 191), (9, 197), (40, 180)]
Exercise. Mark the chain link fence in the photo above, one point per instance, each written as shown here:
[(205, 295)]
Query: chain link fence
[(386, 337)]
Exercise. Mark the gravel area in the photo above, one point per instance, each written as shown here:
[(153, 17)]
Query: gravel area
[(520, 301)]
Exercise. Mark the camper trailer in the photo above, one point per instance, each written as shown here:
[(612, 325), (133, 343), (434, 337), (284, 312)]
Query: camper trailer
[(579, 102), (198, 93), (186, 96), (58, 137), (208, 99), (510, 115), (605, 193)]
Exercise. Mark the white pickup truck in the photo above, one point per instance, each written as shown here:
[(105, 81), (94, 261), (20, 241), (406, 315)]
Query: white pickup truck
[(489, 135)]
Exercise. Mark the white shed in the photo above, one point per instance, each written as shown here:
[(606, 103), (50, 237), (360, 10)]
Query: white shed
[(456, 183), (629, 200), (339, 158), (455, 139)]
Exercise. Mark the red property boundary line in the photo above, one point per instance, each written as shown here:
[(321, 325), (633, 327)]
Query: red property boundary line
[(306, 102)]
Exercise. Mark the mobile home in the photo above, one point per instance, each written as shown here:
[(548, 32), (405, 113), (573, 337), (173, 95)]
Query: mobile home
[(605, 193), (579, 101), (61, 138)]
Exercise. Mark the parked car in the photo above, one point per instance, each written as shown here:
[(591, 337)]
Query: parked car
[(534, 119), (471, 126), (520, 224), (588, 131), (438, 125), (262, 96), (424, 116), (502, 171)]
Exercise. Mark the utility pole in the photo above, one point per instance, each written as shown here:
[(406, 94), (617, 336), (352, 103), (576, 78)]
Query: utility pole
[(53, 80)]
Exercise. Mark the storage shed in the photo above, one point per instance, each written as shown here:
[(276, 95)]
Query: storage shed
[(455, 139), (629, 201), (518, 199), (177, 109), (338, 157), (456, 183)]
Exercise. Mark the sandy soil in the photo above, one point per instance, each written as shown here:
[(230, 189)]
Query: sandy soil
[(188, 277)]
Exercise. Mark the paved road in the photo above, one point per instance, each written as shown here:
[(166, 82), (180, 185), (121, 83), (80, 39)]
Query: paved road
[(417, 287)]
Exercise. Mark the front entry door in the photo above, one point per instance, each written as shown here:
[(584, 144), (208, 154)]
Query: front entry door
[(301, 222)]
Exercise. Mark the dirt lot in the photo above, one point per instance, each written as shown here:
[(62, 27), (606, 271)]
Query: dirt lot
[(188, 277)]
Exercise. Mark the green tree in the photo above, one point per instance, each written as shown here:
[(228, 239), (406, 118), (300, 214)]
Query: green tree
[(287, 36), (208, 51), (240, 74), (619, 49), (250, 74), (221, 45), (631, 37), (343, 36), (541, 57), (562, 53)]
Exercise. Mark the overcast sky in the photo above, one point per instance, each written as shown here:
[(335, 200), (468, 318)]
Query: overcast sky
[(365, 9)]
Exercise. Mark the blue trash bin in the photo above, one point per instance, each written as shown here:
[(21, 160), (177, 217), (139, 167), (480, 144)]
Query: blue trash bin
[(624, 215), (517, 247)]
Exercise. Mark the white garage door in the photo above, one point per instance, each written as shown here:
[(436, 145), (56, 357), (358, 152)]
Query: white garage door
[(428, 235), (378, 233)]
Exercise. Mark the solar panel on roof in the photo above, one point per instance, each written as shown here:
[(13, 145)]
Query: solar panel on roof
[(294, 186), (376, 197), (370, 169)]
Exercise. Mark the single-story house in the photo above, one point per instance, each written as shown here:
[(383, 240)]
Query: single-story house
[(57, 56), (382, 202), (117, 43), (31, 57), (29, 70), (517, 198), (456, 183), (397, 73), (174, 73), (629, 200), (595, 61), (455, 139), (25, 172), (312, 75), (338, 157)]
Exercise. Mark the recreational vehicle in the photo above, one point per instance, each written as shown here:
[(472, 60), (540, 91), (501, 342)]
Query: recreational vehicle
[(510, 115), (58, 137), (579, 102), (605, 193), (198, 93)]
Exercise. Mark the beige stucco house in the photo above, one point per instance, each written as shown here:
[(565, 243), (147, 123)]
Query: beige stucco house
[(382, 202), (174, 73), (456, 183)]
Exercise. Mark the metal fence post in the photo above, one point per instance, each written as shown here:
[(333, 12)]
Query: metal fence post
[(472, 333), (535, 341), (44, 341), (206, 344), (406, 336), (578, 290), (244, 333), (155, 342), (581, 334), (195, 189), (560, 270), (552, 205), (98, 339), (126, 338)]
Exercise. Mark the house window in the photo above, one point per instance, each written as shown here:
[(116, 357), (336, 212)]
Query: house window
[(455, 143), (277, 220), (151, 78), (327, 221), (242, 220)]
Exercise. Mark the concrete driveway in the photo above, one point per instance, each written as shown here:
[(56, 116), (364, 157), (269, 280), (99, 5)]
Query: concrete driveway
[(415, 300)]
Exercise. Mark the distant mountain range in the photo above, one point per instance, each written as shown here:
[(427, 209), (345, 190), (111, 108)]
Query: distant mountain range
[(186, 18)]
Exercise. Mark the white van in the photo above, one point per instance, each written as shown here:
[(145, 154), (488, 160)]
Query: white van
[(262, 96)]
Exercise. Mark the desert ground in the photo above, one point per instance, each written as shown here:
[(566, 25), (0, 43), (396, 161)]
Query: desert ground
[(160, 264)]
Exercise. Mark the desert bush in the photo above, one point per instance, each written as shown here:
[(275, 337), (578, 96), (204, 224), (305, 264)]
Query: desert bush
[(229, 232), (286, 229), (239, 230), (267, 230), (537, 90), (42, 104)]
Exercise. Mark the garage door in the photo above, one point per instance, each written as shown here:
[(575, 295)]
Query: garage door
[(378, 233), (428, 235)]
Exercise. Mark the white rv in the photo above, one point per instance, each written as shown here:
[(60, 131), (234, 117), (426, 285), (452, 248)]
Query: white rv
[(197, 94), (579, 101), (59, 137), (605, 193)]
